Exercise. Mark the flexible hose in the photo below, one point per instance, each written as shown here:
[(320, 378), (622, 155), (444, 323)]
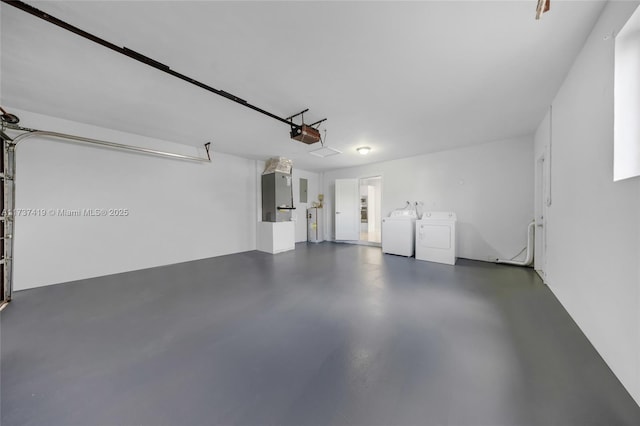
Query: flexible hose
[(528, 260)]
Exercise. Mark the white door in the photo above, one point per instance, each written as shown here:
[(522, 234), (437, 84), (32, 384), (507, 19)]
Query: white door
[(347, 218)]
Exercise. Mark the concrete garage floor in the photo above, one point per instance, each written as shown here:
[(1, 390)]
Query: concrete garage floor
[(328, 334)]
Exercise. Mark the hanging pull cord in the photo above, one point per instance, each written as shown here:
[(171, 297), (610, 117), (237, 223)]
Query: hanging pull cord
[(325, 137)]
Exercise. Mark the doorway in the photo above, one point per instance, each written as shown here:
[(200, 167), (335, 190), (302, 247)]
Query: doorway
[(370, 210)]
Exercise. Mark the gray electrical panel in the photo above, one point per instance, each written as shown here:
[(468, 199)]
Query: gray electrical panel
[(303, 190), (277, 197)]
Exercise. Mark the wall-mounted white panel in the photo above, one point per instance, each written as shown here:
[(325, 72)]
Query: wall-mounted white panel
[(627, 100)]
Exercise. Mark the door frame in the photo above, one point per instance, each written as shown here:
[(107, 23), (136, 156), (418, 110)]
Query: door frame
[(379, 212)]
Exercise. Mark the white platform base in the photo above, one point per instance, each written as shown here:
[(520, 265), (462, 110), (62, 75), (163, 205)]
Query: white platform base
[(276, 237)]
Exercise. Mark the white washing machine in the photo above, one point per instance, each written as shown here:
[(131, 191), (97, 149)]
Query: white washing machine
[(398, 233), (436, 237)]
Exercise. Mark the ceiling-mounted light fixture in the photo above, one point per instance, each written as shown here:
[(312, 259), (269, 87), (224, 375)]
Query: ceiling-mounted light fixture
[(543, 6), (363, 150)]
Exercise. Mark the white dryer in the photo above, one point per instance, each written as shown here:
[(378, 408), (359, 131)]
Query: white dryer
[(436, 237), (398, 233)]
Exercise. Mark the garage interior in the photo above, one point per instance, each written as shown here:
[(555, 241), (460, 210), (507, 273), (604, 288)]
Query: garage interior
[(148, 278)]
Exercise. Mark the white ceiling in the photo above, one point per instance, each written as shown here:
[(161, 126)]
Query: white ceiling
[(402, 77)]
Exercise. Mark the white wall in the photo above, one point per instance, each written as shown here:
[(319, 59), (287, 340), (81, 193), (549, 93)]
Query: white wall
[(593, 224), (489, 186), (299, 215), (179, 211)]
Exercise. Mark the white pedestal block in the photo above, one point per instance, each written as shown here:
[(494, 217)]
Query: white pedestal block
[(276, 237)]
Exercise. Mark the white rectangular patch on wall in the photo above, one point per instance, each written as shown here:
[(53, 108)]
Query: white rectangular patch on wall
[(626, 131)]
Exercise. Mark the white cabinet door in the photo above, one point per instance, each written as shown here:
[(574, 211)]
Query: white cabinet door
[(347, 218)]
